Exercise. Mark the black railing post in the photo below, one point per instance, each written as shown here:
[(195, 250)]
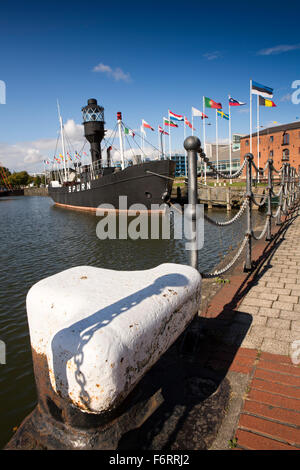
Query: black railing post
[(269, 210), (281, 200), (193, 145), (248, 260)]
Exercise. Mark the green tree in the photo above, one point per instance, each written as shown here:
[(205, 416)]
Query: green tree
[(37, 181), (21, 178)]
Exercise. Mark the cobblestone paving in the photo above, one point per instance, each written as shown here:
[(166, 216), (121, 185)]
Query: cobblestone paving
[(274, 302)]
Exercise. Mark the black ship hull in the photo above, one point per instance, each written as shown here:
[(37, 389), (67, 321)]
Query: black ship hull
[(149, 183)]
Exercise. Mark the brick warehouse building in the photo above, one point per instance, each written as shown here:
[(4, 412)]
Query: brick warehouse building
[(282, 143)]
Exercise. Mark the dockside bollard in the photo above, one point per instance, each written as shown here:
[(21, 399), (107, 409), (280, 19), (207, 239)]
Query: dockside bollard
[(95, 335), (193, 145)]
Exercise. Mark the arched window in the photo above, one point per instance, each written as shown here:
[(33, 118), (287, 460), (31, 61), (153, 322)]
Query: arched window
[(285, 155), (286, 139)]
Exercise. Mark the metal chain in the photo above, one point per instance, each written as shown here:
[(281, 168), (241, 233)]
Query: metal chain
[(227, 177), (228, 222), (259, 204), (229, 265), (259, 237)]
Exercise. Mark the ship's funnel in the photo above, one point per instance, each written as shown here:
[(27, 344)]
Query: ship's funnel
[(93, 121)]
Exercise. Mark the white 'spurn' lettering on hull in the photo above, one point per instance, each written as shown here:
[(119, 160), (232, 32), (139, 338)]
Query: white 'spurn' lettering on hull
[(78, 187)]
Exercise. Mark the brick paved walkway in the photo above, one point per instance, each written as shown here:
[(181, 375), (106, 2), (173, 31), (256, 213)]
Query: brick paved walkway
[(259, 319), (274, 302)]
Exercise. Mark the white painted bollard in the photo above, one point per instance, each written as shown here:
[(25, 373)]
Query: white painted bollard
[(96, 332)]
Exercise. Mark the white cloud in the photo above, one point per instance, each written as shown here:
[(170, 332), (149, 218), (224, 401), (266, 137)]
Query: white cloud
[(212, 55), (118, 74), (29, 155), (279, 49), (243, 110), (286, 97)]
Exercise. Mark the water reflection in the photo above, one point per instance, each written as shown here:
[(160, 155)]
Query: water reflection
[(38, 240)]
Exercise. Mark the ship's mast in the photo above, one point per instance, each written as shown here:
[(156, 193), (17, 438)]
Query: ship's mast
[(119, 118), (62, 140)]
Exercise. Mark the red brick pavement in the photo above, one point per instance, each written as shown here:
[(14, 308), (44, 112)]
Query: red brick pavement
[(270, 417)]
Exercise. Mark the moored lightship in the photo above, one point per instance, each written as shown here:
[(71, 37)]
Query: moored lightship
[(88, 186)]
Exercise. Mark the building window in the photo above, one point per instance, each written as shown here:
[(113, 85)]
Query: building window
[(286, 139), (247, 143), (271, 138), (285, 155), (271, 153)]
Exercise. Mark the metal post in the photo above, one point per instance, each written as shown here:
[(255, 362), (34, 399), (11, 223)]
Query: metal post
[(281, 201), (293, 184), (288, 185), (248, 261), (192, 145), (269, 211), (284, 188)]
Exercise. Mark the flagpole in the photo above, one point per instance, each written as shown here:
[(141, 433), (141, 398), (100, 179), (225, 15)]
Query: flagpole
[(217, 147), (251, 116), (62, 139), (44, 171), (170, 151), (164, 141), (119, 119), (257, 136), (230, 143), (185, 156), (204, 138), (159, 148), (192, 123)]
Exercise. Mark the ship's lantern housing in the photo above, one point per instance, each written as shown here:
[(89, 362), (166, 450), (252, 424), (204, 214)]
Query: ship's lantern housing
[(93, 121), (93, 112)]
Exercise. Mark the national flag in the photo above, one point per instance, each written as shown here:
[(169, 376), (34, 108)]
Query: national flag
[(47, 162), (197, 112), (258, 89), (160, 129), (61, 156), (85, 154), (233, 102), (264, 102), (168, 122), (222, 114), (187, 123), (68, 155), (211, 103), (145, 124), (175, 117), (128, 132)]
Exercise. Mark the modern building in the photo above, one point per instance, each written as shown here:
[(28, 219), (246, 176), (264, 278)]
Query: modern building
[(281, 143), (219, 156), (181, 162)]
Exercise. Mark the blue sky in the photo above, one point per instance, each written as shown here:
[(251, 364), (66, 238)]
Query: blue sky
[(151, 57)]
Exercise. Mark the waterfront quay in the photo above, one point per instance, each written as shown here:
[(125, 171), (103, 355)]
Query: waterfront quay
[(231, 335), (251, 336)]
